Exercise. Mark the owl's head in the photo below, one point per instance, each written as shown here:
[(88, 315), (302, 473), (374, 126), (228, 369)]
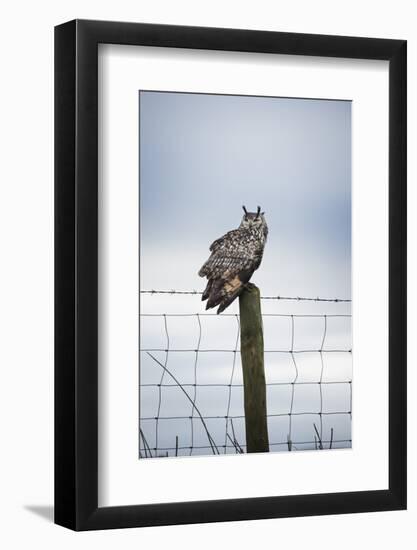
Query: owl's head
[(253, 220)]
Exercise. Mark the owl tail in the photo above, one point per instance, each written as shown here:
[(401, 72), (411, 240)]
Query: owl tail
[(221, 292), (207, 290), (231, 298), (214, 293)]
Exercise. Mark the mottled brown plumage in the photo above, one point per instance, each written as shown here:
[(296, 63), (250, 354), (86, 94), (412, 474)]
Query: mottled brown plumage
[(234, 258)]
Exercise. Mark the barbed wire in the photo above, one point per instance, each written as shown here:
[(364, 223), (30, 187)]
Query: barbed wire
[(233, 439), (278, 297)]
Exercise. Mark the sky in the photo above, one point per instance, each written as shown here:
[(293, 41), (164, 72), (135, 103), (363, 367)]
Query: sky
[(201, 158)]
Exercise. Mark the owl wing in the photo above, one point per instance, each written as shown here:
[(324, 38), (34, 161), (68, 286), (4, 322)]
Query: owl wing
[(229, 237), (231, 264), (228, 254)]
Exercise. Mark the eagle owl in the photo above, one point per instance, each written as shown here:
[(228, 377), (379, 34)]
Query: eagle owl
[(234, 258)]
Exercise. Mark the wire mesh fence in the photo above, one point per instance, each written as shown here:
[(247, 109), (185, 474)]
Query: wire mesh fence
[(191, 387)]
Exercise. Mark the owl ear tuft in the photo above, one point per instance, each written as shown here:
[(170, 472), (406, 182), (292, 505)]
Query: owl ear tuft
[(244, 210), (258, 212)]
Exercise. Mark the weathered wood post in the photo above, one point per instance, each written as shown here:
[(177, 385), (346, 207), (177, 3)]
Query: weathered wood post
[(252, 354)]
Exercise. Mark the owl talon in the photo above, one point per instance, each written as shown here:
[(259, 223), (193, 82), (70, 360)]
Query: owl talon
[(249, 286)]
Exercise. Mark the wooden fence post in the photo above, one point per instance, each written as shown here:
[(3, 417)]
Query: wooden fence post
[(252, 354)]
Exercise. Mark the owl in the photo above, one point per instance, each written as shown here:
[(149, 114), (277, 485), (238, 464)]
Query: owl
[(234, 258)]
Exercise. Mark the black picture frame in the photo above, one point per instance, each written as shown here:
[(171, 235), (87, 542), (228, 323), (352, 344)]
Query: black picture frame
[(76, 272)]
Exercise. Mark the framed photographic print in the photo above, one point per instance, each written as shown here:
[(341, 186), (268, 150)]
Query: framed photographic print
[(230, 274)]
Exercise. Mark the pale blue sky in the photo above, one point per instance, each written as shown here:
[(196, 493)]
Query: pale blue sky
[(203, 156)]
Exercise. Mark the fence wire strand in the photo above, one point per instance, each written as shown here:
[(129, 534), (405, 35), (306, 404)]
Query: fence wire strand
[(278, 297), (192, 390)]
